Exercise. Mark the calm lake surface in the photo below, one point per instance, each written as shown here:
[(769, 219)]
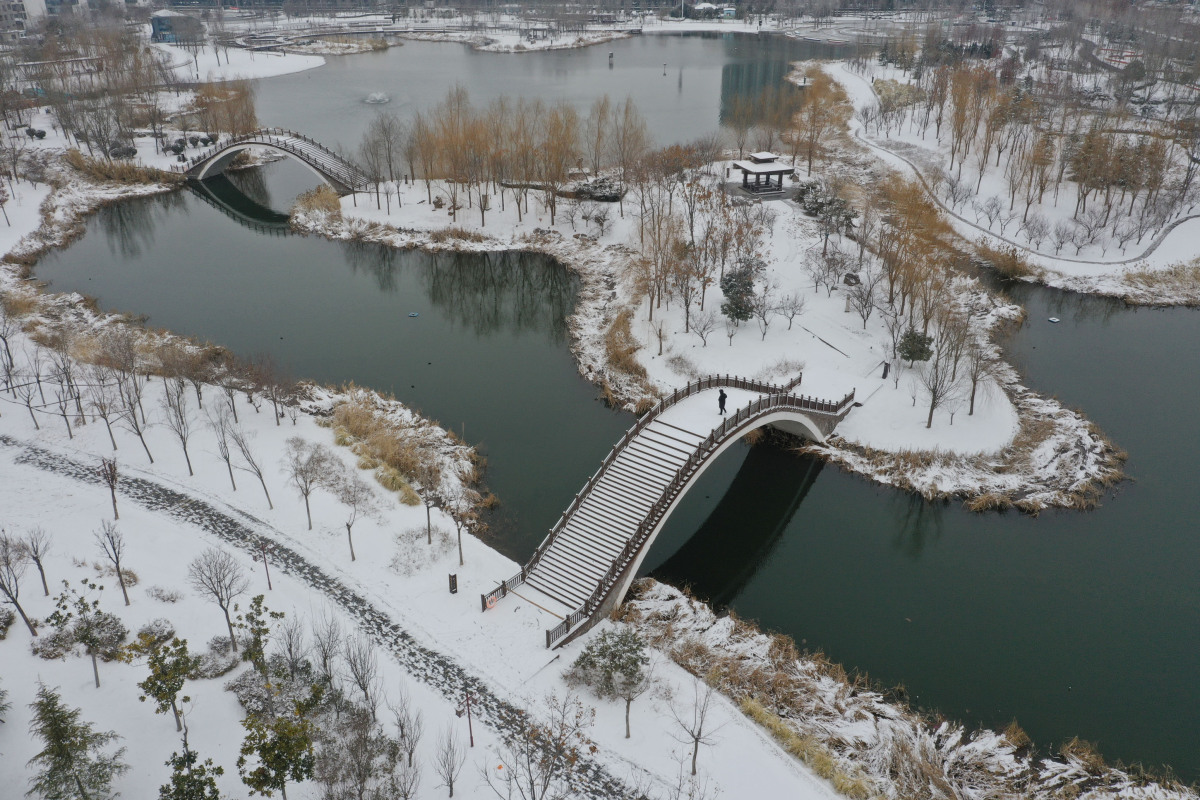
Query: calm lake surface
[(1074, 624)]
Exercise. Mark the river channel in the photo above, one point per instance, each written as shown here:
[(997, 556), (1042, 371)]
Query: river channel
[(1081, 624)]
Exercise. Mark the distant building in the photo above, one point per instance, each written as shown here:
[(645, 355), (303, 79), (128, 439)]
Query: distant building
[(17, 16), (172, 27)]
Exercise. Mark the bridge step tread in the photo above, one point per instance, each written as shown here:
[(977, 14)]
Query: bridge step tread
[(699, 437), (666, 442), (688, 440), (667, 459), (634, 492), (593, 534), (646, 465), (614, 528), (628, 471), (585, 547), (572, 569), (604, 499), (566, 595), (575, 581), (634, 505)]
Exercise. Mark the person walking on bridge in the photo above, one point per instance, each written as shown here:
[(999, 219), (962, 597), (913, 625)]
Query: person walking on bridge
[(721, 398)]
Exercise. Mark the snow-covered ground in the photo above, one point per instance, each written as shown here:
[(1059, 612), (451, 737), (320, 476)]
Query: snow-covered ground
[(1106, 266), (433, 644), (223, 64)]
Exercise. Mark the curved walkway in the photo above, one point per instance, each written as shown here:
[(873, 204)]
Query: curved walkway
[(859, 132), (248, 533), (591, 556)]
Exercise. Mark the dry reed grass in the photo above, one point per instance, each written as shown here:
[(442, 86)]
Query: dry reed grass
[(620, 346), (455, 233), (117, 171), (322, 199)]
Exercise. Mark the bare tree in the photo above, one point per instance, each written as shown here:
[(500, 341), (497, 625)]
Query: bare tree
[(251, 465), (359, 499), (541, 760), (37, 546), (410, 725), (222, 423), (937, 378), (327, 645), (449, 759), (179, 418), (217, 574), (695, 728), (703, 324), (429, 476), (108, 474), (980, 367), (363, 667), (791, 306), (862, 295), (308, 466), (101, 400), (291, 644), (13, 561), (112, 544), (762, 305)]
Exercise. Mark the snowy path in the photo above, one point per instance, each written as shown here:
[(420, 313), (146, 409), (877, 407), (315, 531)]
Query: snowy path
[(247, 533)]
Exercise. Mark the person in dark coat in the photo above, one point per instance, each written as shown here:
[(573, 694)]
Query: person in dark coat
[(721, 400)]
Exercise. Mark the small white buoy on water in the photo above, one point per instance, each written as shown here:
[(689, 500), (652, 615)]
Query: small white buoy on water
[(1054, 319), (377, 98), (414, 314)]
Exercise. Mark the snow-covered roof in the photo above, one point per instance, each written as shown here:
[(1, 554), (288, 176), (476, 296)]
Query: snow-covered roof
[(763, 156), (166, 12), (769, 168)]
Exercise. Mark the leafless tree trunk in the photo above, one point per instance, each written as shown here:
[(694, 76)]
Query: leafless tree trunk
[(410, 725), (179, 418), (112, 544), (12, 569), (108, 473), (241, 440), (37, 546), (694, 726), (217, 574), (308, 467), (363, 667), (449, 759)]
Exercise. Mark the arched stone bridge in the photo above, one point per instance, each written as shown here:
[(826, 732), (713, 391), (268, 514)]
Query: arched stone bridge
[(589, 560), (330, 167)]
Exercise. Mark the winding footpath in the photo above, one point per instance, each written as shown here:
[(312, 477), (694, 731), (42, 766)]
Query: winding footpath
[(248, 533)]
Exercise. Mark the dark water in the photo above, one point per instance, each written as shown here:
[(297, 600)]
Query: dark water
[(703, 73), (1081, 624)]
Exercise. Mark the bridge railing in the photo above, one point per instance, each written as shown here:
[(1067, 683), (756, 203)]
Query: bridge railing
[(731, 426), (281, 138), (694, 387)]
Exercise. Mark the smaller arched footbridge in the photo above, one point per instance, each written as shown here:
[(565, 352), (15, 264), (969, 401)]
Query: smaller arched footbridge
[(591, 557), (330, 167)]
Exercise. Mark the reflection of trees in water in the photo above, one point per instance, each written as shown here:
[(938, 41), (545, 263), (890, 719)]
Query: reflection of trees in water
[(251, 182), (756, 66), (375, 260), (487, 292), (129, 225), (919, 522), (484, 292)]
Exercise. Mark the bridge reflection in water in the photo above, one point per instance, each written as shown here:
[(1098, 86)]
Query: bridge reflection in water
[(740, 533), (226, 197)]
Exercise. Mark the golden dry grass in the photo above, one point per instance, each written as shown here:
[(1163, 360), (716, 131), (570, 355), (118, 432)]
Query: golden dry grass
[(322, 199), (620, 346), (1008, 261), (117, 171), (454, 233), (1182, 279)]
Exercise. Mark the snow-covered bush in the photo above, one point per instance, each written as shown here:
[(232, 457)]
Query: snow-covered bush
[(414, 553), (164, 595), (7, 617), (217, 661), (160, 631)]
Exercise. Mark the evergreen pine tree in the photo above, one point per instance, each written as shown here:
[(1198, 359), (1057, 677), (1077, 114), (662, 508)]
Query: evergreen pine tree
[(73, 764), (616, 666), (738, 288), (915, 346), (81, 619)]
